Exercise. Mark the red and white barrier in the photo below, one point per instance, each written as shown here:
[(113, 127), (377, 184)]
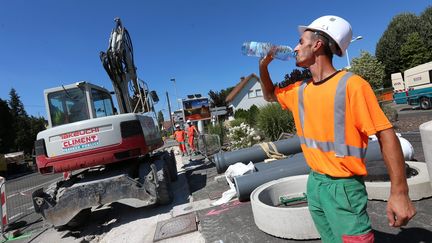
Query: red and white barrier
[(3, 212)]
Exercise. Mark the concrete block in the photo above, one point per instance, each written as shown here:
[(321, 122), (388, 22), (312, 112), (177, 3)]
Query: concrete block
[(285, 222), (426, 138), (419, 185)]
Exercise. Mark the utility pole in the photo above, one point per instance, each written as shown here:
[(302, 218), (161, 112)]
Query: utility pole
[(169, 111)]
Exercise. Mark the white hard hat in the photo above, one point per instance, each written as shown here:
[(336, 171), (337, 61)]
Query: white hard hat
[(335, 27), (177, 125), (188, 121)]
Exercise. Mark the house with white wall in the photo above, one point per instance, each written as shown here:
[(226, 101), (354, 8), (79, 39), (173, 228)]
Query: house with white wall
[(246, 93)]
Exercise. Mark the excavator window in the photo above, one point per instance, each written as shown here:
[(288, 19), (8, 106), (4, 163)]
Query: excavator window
[(68, 106), (102, 103)]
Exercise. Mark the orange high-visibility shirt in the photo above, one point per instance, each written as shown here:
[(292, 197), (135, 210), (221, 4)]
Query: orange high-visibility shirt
[(179, 135), (191, 131), (363, 117)]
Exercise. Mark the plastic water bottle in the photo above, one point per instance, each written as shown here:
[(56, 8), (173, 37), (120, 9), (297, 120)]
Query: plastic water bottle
[(261, 49)]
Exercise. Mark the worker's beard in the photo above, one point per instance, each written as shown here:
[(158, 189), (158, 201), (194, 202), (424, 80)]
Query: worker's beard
[(304, 59)]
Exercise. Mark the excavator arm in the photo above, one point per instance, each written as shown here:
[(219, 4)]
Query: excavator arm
[(118, 62)]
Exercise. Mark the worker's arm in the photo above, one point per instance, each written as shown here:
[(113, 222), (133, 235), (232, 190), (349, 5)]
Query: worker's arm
[(266, 82), (399, 207)]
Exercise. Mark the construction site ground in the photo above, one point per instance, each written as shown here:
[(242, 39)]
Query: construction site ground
[(198, 185), (192, 218)]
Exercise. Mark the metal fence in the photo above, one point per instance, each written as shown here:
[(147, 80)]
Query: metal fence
[(208, 144), (20, 210)]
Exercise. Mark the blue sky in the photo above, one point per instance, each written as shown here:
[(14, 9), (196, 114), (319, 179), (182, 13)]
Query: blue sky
[(46, 44)]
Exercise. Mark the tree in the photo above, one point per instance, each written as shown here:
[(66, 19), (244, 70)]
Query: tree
[(15, 104), (36, 124), (24, 128), (425, 28), (218, 99), (6, 130), (160, 119), (20, 123), (414, 52), (369, 68), (296, 75), (388, 46)]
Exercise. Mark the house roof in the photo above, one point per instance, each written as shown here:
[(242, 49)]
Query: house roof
[(166, 125), (240, 86)]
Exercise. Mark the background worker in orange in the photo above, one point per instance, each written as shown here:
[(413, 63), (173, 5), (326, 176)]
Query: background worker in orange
[(334, 113), (191, 131), (179, 136)]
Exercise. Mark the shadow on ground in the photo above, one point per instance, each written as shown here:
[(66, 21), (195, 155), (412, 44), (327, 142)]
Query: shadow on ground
[(406, 235)]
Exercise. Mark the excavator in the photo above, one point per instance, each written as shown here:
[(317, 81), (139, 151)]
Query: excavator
[(105, 155)]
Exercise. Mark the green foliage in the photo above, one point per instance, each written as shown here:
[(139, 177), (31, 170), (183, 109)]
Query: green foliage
[(165, 133), (297, 75), (250, 116), (17, 130), (425, 28), (219, 130), (237, 122), (414, 51), (218, 98), (273, 121), (369, 68), (240, 113), (406, 43), (160, 119), (387, 49), (6, 130), (15, 104), (36, 124)]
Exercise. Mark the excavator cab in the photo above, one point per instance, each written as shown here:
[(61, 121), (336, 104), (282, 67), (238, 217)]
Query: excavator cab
[(77, 102)]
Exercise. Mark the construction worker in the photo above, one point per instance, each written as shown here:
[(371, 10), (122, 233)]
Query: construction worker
[(179, 136), (191, 132), (334, 112)]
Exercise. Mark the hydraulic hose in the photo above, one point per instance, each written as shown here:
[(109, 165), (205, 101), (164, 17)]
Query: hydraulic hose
[(118, 62)]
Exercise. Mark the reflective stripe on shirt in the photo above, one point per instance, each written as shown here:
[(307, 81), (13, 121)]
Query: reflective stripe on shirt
[(339, 146)]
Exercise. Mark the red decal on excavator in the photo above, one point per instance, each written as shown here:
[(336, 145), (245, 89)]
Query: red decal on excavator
[(80, 133)]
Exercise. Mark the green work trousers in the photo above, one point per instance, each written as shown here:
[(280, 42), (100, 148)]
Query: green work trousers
[(338, 206)]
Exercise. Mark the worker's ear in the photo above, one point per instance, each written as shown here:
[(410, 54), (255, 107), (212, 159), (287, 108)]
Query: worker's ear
[(318, 44)]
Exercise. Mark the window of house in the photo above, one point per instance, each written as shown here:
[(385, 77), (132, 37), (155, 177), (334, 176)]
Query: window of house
[(258, 93), (251, 94)]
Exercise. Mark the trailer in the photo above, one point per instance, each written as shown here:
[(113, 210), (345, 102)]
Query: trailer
[(419, 82), (414, 86), (400, 93)]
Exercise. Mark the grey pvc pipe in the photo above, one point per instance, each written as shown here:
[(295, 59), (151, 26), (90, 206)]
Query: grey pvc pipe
[(254, 153), (261, 166), (294, 165)]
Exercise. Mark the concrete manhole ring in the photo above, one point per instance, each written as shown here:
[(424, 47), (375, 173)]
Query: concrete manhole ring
[(285, 222)]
